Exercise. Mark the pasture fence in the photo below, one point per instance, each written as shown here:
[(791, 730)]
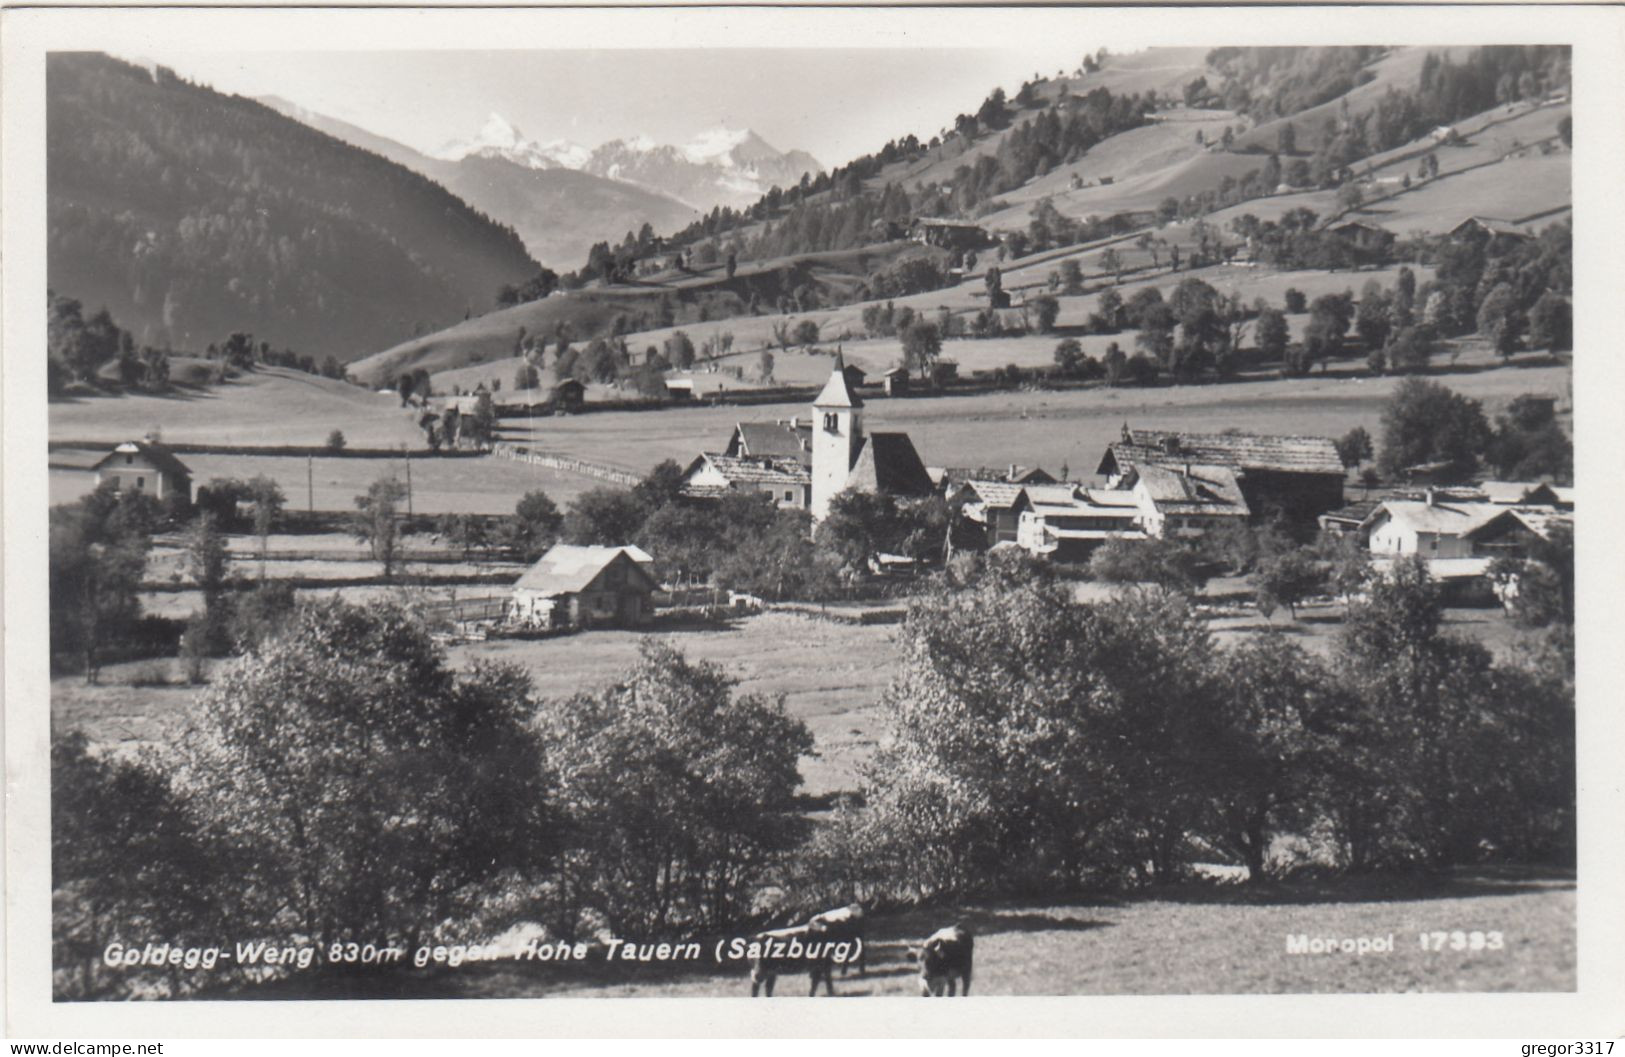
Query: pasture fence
[(565, 463)]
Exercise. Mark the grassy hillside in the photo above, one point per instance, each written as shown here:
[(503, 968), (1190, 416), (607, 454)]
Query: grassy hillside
[(191, 214)]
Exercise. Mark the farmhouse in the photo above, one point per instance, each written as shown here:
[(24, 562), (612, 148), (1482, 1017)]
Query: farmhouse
[(761, 439), (784, 477), (1433, 527), (1067, 524), (1364, 237), (1513, 532), (568, 395), (1297, 477), (143, 466), (949, 234), (896, 381), (582, 587), (996, 507), (1189, 500), (1496, 236)]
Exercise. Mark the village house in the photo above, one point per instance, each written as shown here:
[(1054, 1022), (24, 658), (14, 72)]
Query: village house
[(1436, 526), (144, 466), (1065, 523), (568, 396), (949, 234), (783, 477), (1496, 236), (1296, 477), (896, 381), (1364, 237), (583, 587), (761, 439), (994, 507), (1188, 500)]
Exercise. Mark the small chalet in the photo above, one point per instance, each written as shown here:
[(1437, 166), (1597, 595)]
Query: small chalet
[(995, 507), (1513, 531), (949, 234), (144, 466), (1299, 477), (1434, 527), (1363, 236), (585, 587), (1188, 500), (569, 396), (896, 381), (1496, 236)]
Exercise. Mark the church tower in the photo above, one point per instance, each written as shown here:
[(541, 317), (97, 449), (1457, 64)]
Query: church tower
[(837, 436)]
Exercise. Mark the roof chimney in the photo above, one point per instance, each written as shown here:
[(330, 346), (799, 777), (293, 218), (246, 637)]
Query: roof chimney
[(1012, 474), (1432, 496)]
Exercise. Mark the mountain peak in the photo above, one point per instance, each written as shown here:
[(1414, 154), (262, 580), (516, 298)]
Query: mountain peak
[(501, 138)]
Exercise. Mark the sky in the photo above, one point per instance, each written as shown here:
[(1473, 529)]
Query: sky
[(835, 103)]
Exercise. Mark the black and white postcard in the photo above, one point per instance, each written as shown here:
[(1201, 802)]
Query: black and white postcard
[(551, 505)]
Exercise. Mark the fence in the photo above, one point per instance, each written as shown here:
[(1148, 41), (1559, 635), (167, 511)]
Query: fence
[(568, 465)]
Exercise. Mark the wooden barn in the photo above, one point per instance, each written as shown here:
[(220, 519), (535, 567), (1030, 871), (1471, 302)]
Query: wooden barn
[(584, 587)]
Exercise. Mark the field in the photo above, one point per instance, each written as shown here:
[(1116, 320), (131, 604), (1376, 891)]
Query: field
[(272, 405), (1049, 429), (483, 485)]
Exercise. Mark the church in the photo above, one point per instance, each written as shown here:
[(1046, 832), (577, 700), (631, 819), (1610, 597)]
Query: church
[(804, 466)]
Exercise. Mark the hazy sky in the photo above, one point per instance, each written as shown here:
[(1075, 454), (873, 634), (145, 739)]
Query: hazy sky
[(836, 103)]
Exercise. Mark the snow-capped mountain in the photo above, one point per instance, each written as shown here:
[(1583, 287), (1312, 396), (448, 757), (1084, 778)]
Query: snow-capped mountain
[(498, 138), (720, 166)]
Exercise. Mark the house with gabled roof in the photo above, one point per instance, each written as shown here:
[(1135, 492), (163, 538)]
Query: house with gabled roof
[(757, 439), (1297, 477), (1496, 235), (783, 477), (581, 587), (1189, 500), (1433, 527), (995, 507), (1066, 523), (144, 466)]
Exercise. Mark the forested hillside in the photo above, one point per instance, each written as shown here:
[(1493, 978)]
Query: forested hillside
[(192, 215)]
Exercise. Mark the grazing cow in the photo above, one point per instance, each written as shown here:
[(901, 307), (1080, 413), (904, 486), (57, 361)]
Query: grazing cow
[(943, 957), (845, 924), (785, 952)]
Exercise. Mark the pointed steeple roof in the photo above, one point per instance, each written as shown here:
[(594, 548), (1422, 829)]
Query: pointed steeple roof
[(836, 392)]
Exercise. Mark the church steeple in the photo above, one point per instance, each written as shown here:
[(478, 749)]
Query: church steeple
[(837, 437)]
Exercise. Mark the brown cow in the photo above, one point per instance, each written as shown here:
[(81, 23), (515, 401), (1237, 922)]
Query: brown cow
[(945, 956), (845, 923), (785, 952)]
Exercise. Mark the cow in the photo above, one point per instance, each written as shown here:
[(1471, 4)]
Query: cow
[(845, 924), (945, 955), (785, 952)]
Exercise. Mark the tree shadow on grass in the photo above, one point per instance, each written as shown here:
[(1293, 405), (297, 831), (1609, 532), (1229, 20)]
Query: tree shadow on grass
[(1377, 888)]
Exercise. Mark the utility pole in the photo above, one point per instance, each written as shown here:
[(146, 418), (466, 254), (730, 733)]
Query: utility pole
[(408, 455), (310, 484)]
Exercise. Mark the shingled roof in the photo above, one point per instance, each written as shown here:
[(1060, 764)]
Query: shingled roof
[(771, 438), (888, 464), (1243, 451), (159, 456), (1204, 490), (747, 469), (570, 569)]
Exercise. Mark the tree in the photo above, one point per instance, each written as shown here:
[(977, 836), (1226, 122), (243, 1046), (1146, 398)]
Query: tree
[(679, 792), (534, 525), (1529, 443), (922, 344), (859, 525), (1296, 301), (1551, 323), (1286, 580), (1425, 422), (98, 554), (1275, 716), (680, 350), (268, 501), (362, 786), (1272, 334), (377, 521), (1286, 140), (527, 377), (1354, 447), (765, 366), (1500, 320), (1409, 348), (1071, 276), (806, 332), (1114, 362), (1168, 564), (127, 860), (480, 427), (1069, 357), (335, 441), (1350, 196), (607, 517), (1112, 262), (1048, 310)]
